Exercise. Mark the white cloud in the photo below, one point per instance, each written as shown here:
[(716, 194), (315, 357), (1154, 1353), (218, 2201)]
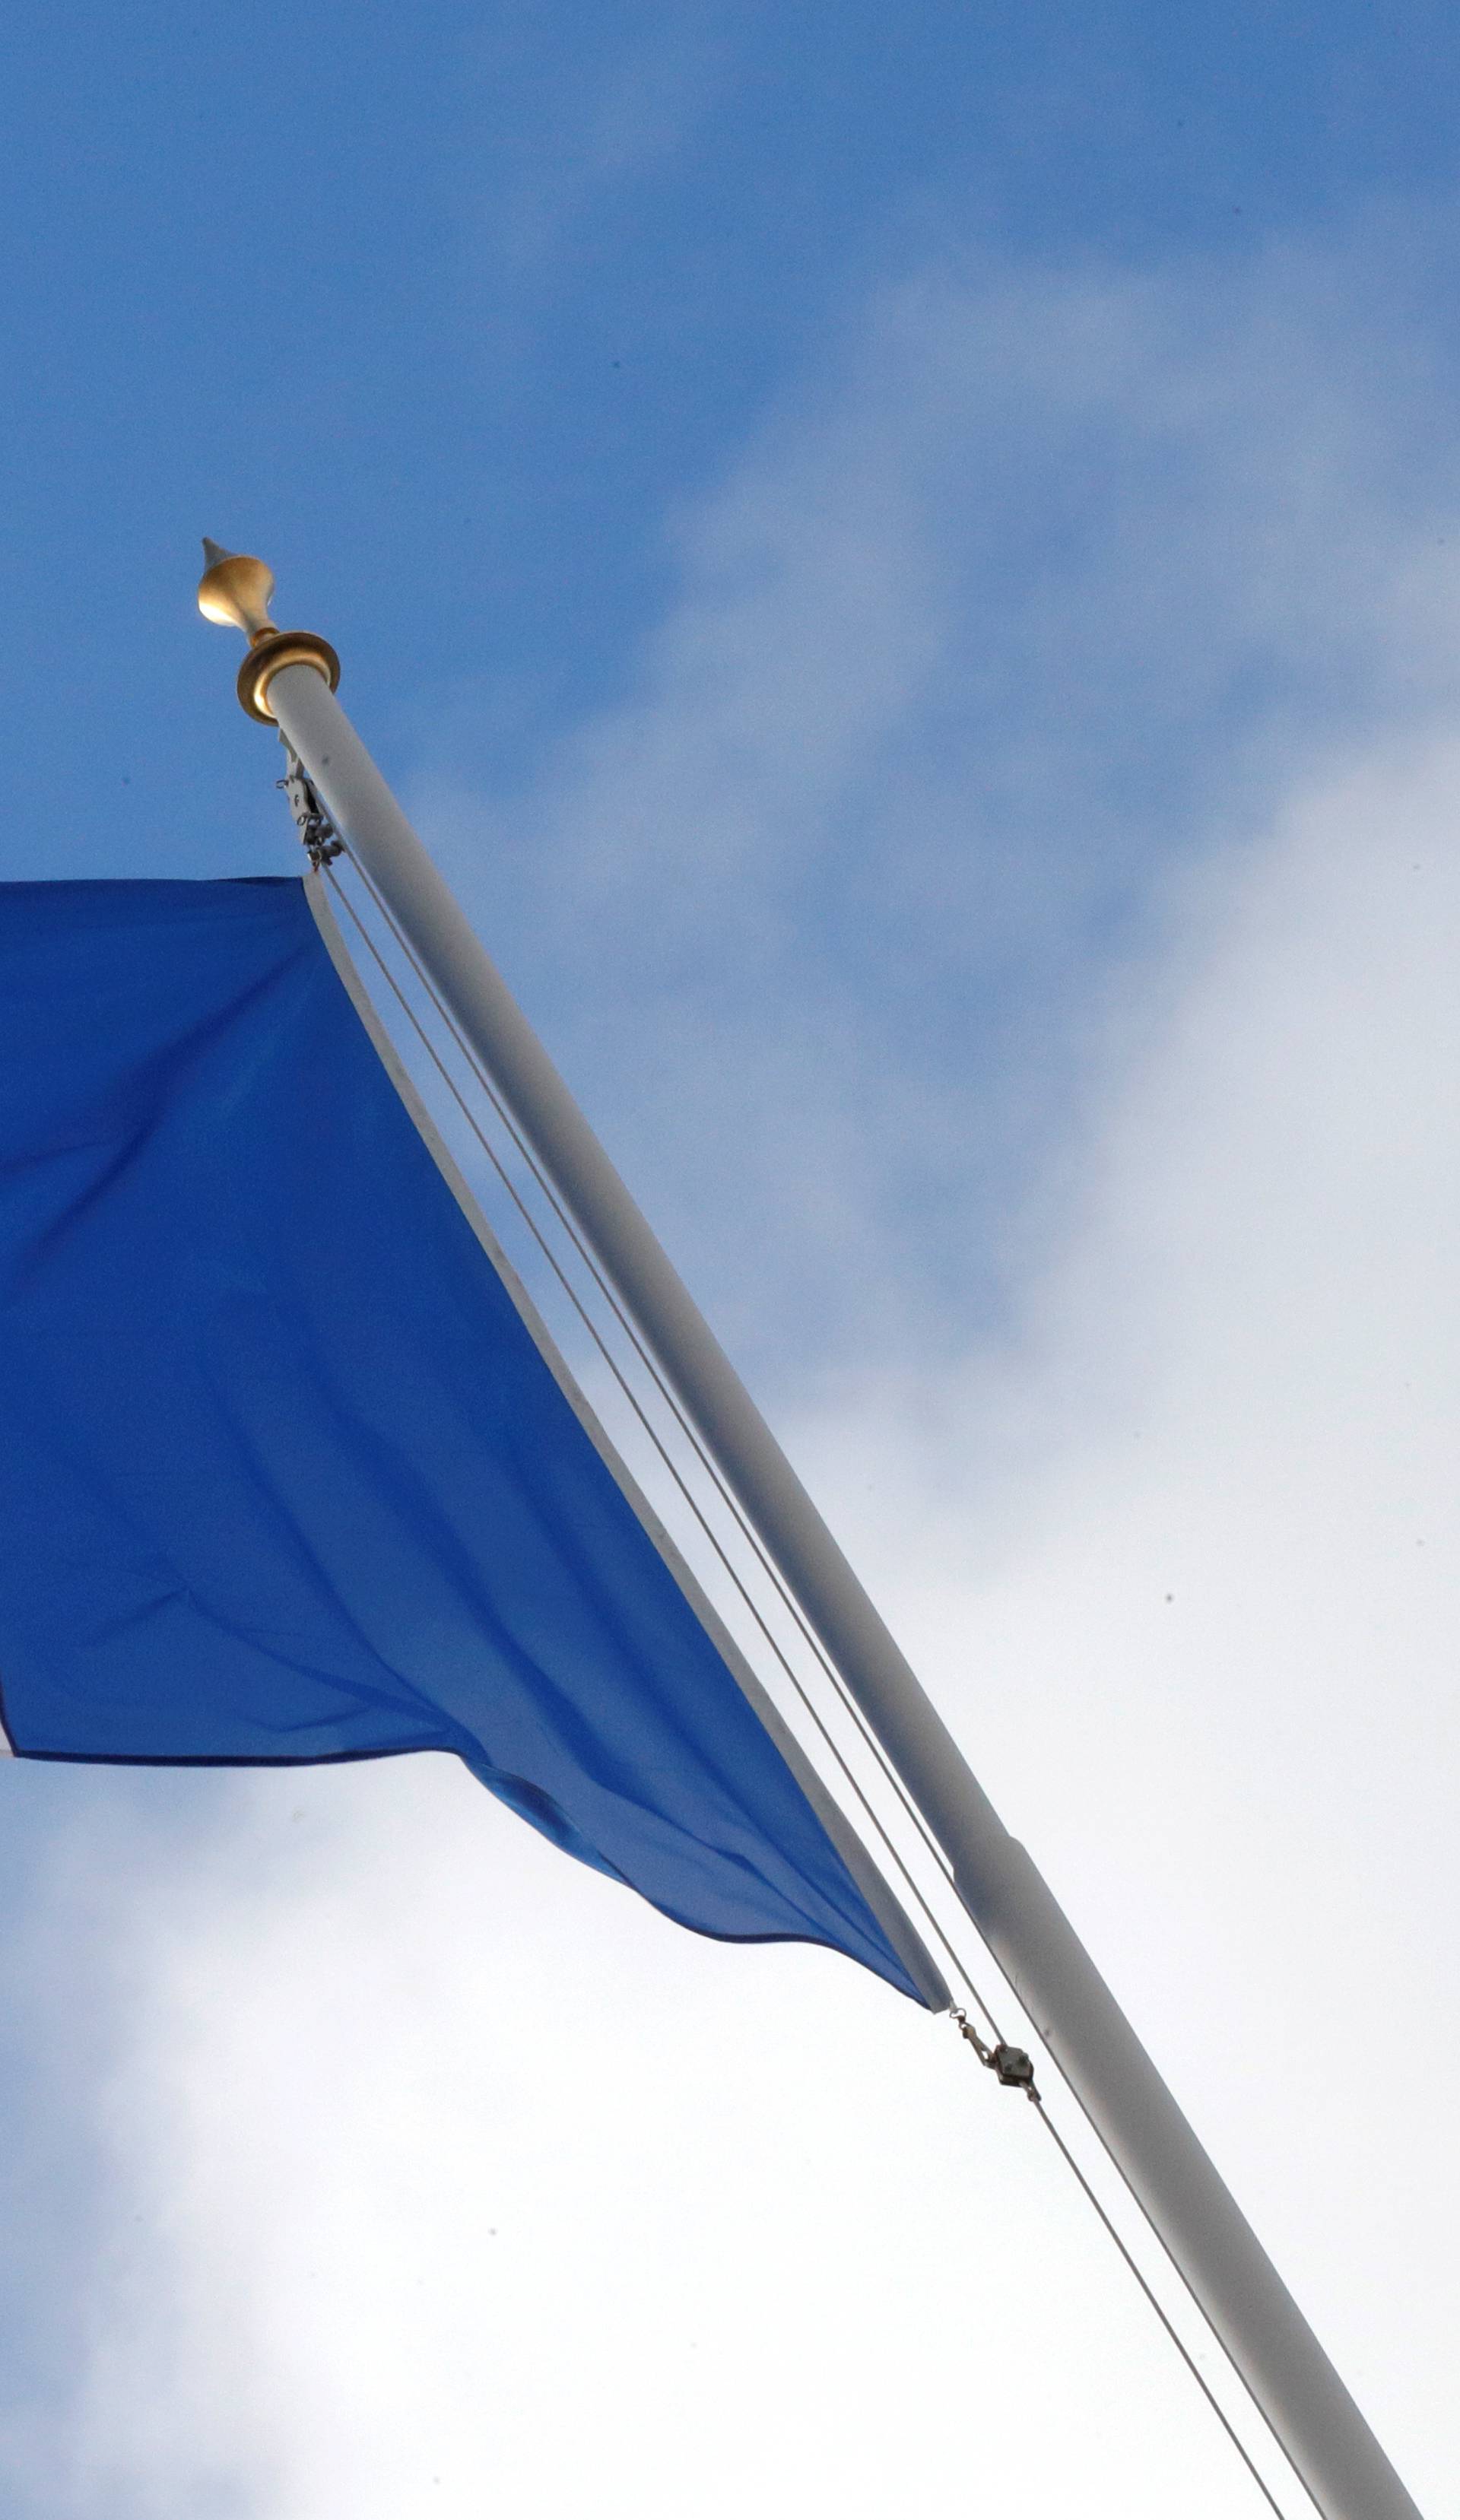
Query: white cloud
[(1185, 1562), (455, 2166), (1042, 579), (1067, 653)]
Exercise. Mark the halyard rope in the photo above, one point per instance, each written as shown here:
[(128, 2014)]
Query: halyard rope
[(727, 1563)]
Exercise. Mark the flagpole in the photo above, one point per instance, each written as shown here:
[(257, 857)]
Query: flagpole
[(287, 677)]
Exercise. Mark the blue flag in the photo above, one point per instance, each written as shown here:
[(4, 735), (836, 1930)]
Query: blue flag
[(285, 1472)]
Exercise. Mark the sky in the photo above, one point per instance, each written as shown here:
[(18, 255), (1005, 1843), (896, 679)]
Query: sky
[(908, 573)]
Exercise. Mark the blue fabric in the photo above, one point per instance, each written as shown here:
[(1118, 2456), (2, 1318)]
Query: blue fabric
[(283, 1476)]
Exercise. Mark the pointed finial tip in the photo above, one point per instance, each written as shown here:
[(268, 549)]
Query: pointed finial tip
[(213, 552)]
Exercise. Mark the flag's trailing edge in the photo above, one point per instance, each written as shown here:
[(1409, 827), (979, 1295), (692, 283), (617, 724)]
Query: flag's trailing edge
[(290, 1471)]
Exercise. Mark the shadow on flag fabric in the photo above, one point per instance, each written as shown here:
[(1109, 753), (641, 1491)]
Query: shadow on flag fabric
[(285, 1475)]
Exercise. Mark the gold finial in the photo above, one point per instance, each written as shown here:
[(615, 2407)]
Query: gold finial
[(235, 589)]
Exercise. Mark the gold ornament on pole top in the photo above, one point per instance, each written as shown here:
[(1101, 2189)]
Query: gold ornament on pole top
[(235, 589)]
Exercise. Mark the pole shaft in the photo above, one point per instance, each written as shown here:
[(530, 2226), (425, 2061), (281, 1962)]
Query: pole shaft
[(1208, 2238)]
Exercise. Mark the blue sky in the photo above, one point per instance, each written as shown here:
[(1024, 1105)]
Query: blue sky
[(907, 569), (452, 311)]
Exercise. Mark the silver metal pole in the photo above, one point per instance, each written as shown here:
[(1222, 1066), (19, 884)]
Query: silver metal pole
[(1208, 2238)]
